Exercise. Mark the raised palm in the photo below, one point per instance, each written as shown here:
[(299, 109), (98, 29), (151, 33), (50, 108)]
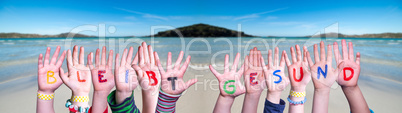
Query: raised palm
[(78, 78), (348, 68), (48, 73), (253, 76), (229, 81), (172, 79), (125, 76), (298, 71), (274, 72), (102, 74), (147, 71), (327, 75)]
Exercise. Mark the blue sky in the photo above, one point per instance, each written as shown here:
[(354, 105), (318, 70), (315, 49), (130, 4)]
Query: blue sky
[(262, 18)]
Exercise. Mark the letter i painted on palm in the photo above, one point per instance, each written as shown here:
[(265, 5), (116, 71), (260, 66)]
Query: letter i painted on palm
[(319, 70), (126, 79), (100, 76), (50, 74)]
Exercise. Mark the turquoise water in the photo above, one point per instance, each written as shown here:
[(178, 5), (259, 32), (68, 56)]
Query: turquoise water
[(381, 58)]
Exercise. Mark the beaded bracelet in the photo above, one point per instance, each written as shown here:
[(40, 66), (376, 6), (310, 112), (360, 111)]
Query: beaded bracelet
[(74, 108), (291, 102), (45, 97), (297, 94)]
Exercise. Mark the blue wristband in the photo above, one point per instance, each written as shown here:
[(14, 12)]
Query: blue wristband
[(296, 103)]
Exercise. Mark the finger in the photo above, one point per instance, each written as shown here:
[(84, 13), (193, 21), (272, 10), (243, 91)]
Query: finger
[(270, 63), (344, 50), (47, 56), (236, 62), (298, 52), (322, 51), (82, 55), (282, 62), (185, 65), (116, 63), (97, 57), (141, 55), (241, 70), (264, 68), (358, 58), (40, 61), (246, 63), (61, 59), (191, 82), (292, 52), (286, 58), (255, 57), (169, 62), (130, 56), (214, 71), (310, 62), (258, 58), (89, 60), (226, 66), (336, 52), (316, 56), (151, 55), (329, 56), (124, 57), (158, 63), (110, 59), (178, 61), (138, 69), (135, 61), (250, 58), (351, 54), (55, 55), (103, 61), (75, 55), (276, 57), (305, 54), (63, 76), (145, 51)]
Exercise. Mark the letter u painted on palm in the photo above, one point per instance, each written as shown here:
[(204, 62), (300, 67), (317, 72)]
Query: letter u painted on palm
[(301, 74)]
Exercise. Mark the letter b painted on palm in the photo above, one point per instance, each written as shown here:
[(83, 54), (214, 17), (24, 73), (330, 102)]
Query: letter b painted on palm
[(319, 70), (232, 86), (50, 74), (151, 75)]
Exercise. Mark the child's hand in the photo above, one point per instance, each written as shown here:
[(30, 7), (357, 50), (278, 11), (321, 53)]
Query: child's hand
[(125, 77), (48, 74), (229, 82), (274, 72), (298, 71), (172, 79), (348, 68), (102, 75), (78, 78), (322, 72), (147, 71), (253, 76)]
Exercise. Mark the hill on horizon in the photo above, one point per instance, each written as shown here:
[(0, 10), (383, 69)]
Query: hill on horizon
[(201, 30)]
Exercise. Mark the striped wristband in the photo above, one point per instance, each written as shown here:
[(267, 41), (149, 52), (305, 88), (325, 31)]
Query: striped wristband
[(166, 102)]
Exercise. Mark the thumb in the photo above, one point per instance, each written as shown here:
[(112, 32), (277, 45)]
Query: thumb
[(191, 82), (63, 76)]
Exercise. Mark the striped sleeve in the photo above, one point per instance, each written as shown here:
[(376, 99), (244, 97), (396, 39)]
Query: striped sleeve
[(127, 106), (166, 102)]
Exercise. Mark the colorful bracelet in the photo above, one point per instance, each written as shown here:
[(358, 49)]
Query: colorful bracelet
[(79, 98), (74, 108), (297, 94), (291, 102), (45, 97)]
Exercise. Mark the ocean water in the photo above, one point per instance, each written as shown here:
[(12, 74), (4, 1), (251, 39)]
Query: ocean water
[(380, 58)]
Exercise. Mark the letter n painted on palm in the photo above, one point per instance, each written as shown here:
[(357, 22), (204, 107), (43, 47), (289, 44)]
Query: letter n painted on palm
[(301, 74), (351, 73), (152, 75), (232, 86), (280, 78), (319, 71)]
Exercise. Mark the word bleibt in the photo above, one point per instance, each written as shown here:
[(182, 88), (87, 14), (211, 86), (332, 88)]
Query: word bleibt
[(232, 86), (151, 75), (50, 75), (78, 77), (280, 78), (301, 74), (100, 76), (172, 79), (252, 78)]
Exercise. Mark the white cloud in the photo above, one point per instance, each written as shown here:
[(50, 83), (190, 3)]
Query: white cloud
[(256, 15), (145, 15)]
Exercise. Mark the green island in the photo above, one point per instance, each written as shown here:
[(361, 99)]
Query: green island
[(202, 30)]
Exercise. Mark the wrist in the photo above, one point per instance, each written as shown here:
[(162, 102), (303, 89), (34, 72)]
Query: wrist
[(124, 94), (226, 98), (298, 88), (46, 92), (322, 90), (274, 97)]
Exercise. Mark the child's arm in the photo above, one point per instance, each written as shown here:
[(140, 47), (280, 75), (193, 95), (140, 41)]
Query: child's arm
[(102, 79), (276, 82), (300, 76), (78, 78), (229, 85), (253, 80), (172, 82), (48, 80), (323, 76), (149, 77), (349, 71), (122, 99)]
